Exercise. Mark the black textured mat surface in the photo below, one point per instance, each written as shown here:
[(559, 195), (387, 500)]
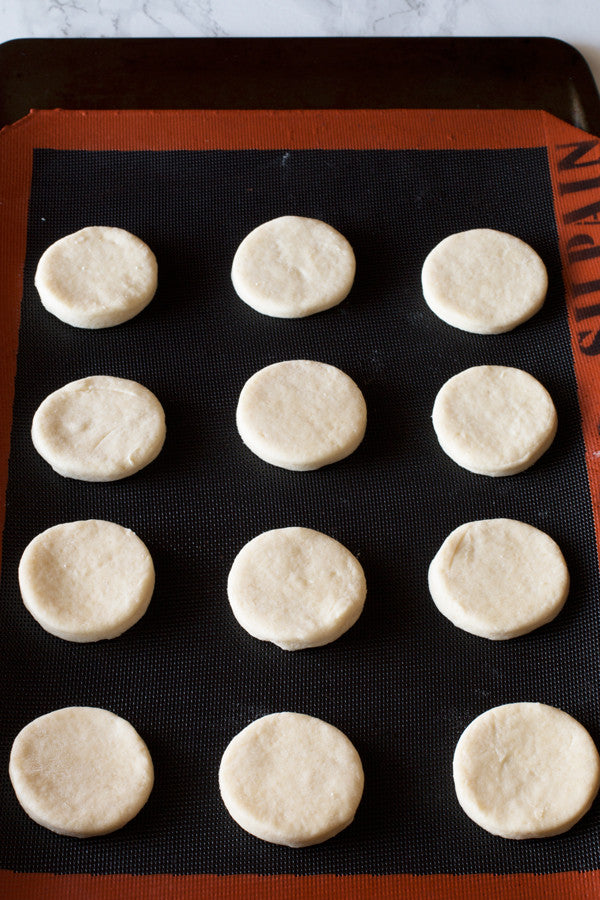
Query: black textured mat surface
[(402, 683)]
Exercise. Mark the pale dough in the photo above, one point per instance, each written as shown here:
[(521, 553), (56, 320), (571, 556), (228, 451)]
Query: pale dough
[(96, 277), (484, 281), (292, 267), (81, 771), (494, 420), (526, 770), (296, 587), (498, 578), (86, 581), (99, 428), (291, 779), (301, 414)]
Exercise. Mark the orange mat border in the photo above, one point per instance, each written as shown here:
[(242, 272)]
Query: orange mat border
[(574, 161), (560, 886)]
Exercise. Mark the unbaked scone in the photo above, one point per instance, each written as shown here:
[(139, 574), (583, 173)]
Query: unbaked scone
[(301, 414), (484, 281), (292, 267), (81, 771), (86, 581), (296, 587), (99, 428), (291, 779), (494, 420), (498, 578), (97, 277), (526, 770)]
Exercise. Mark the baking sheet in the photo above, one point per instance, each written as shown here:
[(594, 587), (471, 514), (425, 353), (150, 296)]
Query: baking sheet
[(402, 683)]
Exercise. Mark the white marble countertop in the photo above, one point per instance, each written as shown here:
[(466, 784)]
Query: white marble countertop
[(575, 21)]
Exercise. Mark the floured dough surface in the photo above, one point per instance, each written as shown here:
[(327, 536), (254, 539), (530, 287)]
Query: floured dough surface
[(292, 267), (526, 770), (86, 581), (494, 420), (301, 414), (291, 779), (81, 771), (484, 281), (498, 578), (97, 277), (99, 428), (296, 587)]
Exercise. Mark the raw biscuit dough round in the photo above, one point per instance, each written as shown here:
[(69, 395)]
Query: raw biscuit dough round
[(498, 578), (86, 581), (296, 587), (484, 281), (494, 420), (81, 771), (292, 267), (301, 414), (526, 770), (97, 277), (291, 779), (99, 428)]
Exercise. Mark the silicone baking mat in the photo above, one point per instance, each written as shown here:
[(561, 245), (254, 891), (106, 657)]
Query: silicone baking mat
[(402, 683)]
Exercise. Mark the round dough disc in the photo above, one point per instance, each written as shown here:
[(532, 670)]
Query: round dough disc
[(99, 428), (291, 779), (296, 587), (494, 420), (292, 267), (86, 581), (498, 578), (484, 281), (301, 414), (96, 277), (81, 771), (526, 770)]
